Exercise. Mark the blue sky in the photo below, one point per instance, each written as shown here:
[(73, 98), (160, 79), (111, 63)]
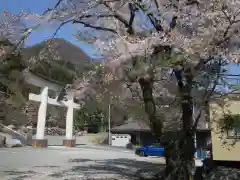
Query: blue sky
[(39, 6)]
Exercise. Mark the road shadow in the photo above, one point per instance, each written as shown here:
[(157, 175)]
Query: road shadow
[(87, 169), (20, 175), (111, 169)]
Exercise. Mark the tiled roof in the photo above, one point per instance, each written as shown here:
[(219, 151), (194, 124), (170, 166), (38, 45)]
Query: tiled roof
[(132, 126), (171, 123)]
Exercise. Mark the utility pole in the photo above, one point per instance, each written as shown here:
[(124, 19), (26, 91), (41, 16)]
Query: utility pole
[(195, 135), (102, 130), (109, 124)]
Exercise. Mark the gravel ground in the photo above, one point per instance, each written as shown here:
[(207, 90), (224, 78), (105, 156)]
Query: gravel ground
[(84, 162)]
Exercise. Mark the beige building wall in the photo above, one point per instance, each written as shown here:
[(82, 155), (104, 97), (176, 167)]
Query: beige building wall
[(224, 149)]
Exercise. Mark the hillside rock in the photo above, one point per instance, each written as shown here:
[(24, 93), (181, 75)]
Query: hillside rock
[(10, 141), (11, 126), (2, 140)]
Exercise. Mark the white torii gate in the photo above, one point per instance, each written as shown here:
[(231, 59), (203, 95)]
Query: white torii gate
[(43, 98)]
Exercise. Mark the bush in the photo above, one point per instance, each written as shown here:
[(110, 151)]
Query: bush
[(129, 146)]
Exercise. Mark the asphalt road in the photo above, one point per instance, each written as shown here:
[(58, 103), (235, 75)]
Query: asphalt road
[(84, 162)]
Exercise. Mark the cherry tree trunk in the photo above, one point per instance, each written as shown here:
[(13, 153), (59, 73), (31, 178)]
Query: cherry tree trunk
[(186, 142), (150, 106), (179, 153), (157, 124), (171, 156)]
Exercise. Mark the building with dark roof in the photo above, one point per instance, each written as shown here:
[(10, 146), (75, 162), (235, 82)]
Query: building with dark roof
[(139, 130), (141, 134)]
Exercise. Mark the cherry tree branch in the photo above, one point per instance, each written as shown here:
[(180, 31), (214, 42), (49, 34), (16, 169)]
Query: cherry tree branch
[(60, 26), (156, 4), (51, 9), (131, 19), (78, 20), (27, 33), (208, 94), (225, 38), (154, 21), (95, 27), (120, 17), (231, 20)]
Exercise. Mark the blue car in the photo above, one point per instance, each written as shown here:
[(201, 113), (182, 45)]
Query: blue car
[(152, 150), (157, 150)]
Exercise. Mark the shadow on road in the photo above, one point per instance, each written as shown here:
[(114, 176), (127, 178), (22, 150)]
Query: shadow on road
[(118, 168), (19, 175), (87, 169)]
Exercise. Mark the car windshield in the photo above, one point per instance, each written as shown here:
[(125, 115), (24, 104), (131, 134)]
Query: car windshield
[(155, 145)]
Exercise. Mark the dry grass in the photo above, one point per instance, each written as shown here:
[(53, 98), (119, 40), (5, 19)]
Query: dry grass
[(98, 138)]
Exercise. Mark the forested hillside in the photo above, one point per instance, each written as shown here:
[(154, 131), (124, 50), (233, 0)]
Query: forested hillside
[(56, 60)]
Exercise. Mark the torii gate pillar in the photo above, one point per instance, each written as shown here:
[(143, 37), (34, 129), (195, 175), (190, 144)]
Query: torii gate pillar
[(69, 141), (40, 141)]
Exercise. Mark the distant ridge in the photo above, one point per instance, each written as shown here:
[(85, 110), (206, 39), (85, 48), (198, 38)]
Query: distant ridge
[(66, 51)]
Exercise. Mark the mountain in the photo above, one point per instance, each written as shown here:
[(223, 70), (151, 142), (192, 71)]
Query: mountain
[(57, 59), (66, 51)]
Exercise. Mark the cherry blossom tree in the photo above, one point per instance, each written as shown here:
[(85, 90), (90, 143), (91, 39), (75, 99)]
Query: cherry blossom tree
[(144, 39)]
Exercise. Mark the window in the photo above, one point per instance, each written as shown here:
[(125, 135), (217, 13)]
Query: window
[(156, 145), (234, 133), (230, 123)]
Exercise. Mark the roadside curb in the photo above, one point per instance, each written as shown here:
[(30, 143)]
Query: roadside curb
[(157, 160)]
